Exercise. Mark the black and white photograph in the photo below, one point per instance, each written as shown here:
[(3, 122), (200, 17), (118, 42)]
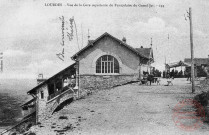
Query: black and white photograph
[(104, 67)]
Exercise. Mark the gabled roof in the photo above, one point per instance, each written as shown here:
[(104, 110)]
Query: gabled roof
[(32, 91), (197, 61), (92, 42), (30, 101), (145, 51), (177, 64)]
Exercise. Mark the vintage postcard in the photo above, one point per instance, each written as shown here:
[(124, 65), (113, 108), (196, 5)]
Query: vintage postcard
[(110, 67)]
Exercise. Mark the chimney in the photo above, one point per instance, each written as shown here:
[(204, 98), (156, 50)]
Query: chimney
[(40, 79), (124, 39)]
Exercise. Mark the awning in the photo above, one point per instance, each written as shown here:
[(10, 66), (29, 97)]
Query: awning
[(70, 68), (27, 103), (178, 64)]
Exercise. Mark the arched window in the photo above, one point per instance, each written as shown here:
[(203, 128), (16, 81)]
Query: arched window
[(107, 64)]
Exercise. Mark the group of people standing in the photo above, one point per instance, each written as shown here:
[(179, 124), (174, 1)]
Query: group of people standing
[(148, 77)]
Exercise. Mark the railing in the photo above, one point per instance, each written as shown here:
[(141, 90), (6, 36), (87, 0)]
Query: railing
[(29, 111), (29, 114), (54, 94), (58, 92)]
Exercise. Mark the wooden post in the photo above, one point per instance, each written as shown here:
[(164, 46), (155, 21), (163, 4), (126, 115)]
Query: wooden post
[(54, 83), (37, 108), (165, 68), (139, 69), (77, 79), (192, 51), (62, 83)]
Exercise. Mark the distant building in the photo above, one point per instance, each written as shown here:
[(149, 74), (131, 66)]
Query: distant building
[(198, 63), (105, 62), (108, 61)]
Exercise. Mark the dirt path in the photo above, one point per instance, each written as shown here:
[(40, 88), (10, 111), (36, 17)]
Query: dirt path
[(129, 109)]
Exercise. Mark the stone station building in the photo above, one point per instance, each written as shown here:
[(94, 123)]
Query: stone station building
[(105, 62)]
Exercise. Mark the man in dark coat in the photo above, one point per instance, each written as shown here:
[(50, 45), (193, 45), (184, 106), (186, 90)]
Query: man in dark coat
[(150, 78)]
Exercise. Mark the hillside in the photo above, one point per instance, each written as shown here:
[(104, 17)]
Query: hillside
[(130, 109), (12, 95)]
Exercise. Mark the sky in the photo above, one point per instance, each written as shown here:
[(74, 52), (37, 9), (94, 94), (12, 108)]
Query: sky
[(30, 32)]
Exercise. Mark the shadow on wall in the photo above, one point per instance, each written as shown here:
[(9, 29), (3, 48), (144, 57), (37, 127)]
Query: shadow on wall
[(63, 104)]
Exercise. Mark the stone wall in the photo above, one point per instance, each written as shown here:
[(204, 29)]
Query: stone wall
[(93, 82), (41, 103), (46, 110)]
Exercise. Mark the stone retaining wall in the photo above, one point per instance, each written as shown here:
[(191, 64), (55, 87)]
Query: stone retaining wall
[(93, 82), (47, 110)]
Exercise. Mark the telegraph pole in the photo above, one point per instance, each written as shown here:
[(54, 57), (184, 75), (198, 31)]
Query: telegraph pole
[(192, 50)]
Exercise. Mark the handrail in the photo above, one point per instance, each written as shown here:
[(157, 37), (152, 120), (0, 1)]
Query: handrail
[(50, 98), (57, 93), (33, 111), (54, 94)]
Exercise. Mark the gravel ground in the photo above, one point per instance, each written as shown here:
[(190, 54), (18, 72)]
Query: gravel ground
[(129, 109)]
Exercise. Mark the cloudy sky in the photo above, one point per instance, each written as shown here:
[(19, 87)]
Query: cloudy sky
[(30, 32)]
